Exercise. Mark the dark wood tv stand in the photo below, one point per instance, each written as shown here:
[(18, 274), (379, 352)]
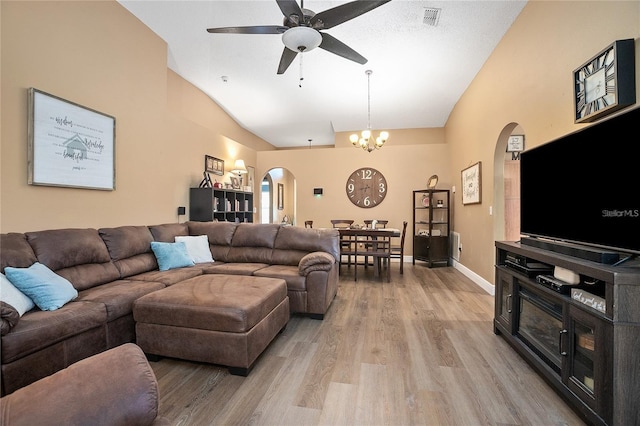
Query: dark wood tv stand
[(590, 357)]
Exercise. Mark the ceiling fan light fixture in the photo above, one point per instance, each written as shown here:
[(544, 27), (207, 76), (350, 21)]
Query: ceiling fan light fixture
[(301, 39)]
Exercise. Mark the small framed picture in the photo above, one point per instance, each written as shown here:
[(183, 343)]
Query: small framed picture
[(515, 143), (235, 182), (472, 184), (280, 196), (213, 165)]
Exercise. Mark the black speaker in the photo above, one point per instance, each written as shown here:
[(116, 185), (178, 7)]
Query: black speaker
[(182, 211), (317, 191)]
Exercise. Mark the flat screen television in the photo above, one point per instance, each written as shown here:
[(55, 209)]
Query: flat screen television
[(584, 188)]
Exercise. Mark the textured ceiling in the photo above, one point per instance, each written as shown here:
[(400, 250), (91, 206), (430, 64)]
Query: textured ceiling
[(419, 71)]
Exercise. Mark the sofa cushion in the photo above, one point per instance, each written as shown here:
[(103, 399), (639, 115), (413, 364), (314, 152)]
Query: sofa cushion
[(295, 282), (48, 290), (171, 255), (293, 243), (169, 277), (118, 296), (218, 233), (14, 297), (15, 251), (38, 329), (130, 249), (197, 248), (79, 255), (168, 232), (253, 243)]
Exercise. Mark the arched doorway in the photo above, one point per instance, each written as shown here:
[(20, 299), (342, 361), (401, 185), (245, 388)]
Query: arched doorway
[(278, 197), (507, 184)]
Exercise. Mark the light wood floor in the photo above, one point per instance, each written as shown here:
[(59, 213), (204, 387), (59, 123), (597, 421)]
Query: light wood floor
[(417, 351)]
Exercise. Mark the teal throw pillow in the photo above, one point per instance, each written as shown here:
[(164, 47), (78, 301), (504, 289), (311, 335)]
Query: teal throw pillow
[(48, 290), (171, 255)]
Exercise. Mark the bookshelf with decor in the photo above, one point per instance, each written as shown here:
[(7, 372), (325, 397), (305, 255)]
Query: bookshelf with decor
[(222, 205)]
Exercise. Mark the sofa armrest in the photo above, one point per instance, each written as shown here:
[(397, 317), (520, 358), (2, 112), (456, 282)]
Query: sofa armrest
[(115, 387), (315, 261)]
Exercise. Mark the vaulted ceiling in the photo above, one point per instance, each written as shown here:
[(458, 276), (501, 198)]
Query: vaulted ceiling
[(420, 67)]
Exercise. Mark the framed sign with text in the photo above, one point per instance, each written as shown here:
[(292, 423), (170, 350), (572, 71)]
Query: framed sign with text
[(69, 145), (472, 184)]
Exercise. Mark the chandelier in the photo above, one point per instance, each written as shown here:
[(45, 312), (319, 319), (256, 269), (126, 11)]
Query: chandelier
[(362, 141)]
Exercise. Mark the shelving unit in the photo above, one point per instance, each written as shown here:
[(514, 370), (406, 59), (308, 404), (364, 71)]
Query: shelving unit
[(431, 226), (589, 353), (222, 205)]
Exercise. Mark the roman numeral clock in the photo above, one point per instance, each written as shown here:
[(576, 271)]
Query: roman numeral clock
[(606, 82)]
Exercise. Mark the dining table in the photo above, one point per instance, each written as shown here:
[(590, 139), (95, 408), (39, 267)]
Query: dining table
[(368, 242)]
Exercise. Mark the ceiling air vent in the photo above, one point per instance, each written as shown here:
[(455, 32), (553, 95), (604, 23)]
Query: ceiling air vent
[(431, 16)]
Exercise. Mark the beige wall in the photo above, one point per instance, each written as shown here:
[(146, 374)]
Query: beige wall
[(95, 53), (527, 80), (405, 167)]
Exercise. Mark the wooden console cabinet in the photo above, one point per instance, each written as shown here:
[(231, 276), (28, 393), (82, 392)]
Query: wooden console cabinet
[(591, 357)]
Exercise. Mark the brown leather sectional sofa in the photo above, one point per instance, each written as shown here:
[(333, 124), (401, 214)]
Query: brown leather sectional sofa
[(112, 267)]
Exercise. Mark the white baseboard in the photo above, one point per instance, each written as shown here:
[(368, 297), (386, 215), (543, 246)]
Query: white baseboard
[(477, 279)]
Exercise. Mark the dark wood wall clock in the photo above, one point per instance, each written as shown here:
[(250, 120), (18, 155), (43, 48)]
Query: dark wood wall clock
[(606, 82), (366, 187)]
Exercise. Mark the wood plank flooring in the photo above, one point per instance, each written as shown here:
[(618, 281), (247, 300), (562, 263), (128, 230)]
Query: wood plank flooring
[(419, 350)]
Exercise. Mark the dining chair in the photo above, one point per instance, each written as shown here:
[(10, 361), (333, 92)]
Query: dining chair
[(379, 224), (346, 243), (308, 224), (341, 223), (397, 250)]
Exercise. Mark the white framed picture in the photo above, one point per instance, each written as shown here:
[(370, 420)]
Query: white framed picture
[(69, 145), (472, 184)]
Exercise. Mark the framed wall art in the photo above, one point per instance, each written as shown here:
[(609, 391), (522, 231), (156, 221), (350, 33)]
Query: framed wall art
[(280, 196), (472, 184), (69, 145), (213, 165), (251, 177)]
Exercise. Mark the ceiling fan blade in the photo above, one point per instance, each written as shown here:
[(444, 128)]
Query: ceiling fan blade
[(339, 14), (258, 29), (290, 7), (333, 45), (288, 56)]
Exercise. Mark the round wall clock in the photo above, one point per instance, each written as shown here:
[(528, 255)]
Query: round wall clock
[(606, 82), (366, 187)]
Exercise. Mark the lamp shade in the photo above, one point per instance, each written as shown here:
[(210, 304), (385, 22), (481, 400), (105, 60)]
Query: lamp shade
[(301, 39), (239, 167)]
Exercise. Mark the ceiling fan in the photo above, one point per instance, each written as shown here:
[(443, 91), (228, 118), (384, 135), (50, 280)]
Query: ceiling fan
[(301, 29)]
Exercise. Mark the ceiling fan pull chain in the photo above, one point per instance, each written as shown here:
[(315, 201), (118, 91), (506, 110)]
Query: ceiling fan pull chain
[(301, 77)]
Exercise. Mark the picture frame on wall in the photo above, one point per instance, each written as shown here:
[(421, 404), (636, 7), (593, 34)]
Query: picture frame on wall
[(472, 184), (213, 165), (280, 196), (69, 145), (251, 177)]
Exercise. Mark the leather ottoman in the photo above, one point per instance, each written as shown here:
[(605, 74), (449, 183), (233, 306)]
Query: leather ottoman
[(218, 319)]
